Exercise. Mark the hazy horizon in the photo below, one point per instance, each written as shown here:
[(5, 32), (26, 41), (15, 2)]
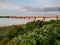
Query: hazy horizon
[(27, 8)]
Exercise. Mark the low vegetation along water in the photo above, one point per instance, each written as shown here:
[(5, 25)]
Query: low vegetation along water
[(32, 33)]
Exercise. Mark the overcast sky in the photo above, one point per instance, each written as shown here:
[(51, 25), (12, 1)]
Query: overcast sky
[(25, 7)]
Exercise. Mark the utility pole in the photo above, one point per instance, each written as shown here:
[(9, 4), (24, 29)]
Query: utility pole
[(56, 17), (35, 19), (43, 18), (59, 11)]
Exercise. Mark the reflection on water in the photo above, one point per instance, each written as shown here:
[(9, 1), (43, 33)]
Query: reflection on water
[(13, 21)]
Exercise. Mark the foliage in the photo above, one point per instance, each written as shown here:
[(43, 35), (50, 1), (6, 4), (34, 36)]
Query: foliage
[(32, 33)]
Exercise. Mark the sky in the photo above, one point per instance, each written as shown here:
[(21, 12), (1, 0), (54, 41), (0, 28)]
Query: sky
[(25, 7)]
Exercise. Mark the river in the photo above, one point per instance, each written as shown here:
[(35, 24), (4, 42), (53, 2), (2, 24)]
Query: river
[(14, 21)]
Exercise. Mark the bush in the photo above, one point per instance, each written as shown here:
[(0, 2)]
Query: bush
[(32, 33)]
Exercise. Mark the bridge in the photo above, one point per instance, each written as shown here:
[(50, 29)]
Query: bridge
[(35, 17)]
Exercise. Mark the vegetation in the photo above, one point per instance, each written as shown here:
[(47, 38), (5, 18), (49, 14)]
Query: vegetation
[(32, 33)]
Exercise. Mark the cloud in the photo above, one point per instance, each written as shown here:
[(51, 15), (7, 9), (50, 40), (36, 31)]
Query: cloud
[(34, 9), (10, 5), (31, 9), (49, 3), (6, 5)]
